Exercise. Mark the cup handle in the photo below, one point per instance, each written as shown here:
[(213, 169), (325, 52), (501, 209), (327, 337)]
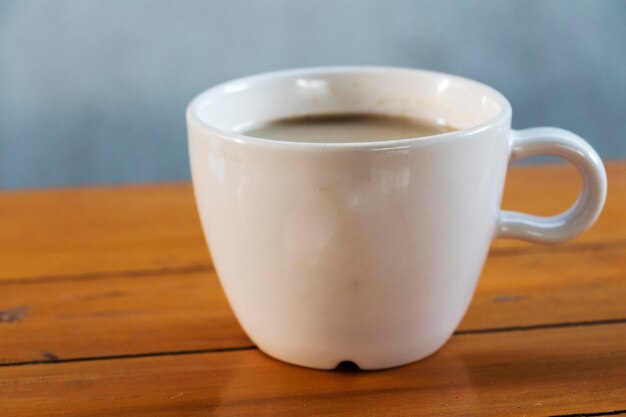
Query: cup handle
[(579, 217)]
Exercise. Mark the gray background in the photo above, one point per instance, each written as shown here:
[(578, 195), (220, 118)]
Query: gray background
[(94, 91)]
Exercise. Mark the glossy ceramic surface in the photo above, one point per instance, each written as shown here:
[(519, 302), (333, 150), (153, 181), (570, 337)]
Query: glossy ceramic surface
[(367, 252)]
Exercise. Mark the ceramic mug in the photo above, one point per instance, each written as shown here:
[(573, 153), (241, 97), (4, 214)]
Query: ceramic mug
[(366, 252)]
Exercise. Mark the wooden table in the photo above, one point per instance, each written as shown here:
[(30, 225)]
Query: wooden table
[(109, 306)]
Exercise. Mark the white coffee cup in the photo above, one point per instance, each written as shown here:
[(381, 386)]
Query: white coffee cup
[(366, 252)]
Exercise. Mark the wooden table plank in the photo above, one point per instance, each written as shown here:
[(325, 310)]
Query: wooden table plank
[(122, 315), (115, 316), (531, 373), (150, 228), (108, 302), (541, 288), (74, 231)]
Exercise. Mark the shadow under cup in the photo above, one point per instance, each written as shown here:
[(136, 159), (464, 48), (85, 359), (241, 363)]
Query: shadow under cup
[(366, 252)]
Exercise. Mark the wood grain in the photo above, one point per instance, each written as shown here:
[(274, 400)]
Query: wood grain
[(536, 373), (127, 315), (98, 230), (116, 316), (155, 229), (541, 288)]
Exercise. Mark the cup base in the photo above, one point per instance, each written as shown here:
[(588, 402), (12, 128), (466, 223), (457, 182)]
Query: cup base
[(366, 363)]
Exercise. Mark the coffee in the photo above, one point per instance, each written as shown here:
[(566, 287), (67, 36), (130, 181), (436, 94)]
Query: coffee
[(343, 128)]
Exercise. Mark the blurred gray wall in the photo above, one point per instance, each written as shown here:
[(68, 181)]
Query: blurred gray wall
[(94, 91)]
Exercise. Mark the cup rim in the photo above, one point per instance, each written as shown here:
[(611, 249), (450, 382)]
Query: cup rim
[(196, 104)]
